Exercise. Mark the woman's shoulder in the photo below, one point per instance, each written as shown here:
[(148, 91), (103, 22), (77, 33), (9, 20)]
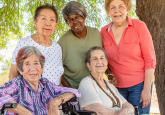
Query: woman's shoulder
[(65, 36), (27, 38), (137, 22), (86, 82), (105, 27), (14, 82), (55, 44)]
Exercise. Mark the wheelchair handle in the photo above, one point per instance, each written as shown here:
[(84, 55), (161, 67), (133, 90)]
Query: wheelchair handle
[(8, 105)]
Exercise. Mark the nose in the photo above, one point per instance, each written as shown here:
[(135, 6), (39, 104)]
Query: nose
[(75, 20), (48, 22), (32, 67), (99, 61), (116, 9)]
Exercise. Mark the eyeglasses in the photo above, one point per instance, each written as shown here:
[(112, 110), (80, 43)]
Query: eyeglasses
[(77, 18)]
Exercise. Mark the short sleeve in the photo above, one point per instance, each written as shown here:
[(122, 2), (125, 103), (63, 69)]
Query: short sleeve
[(7, 92), (88, 93), (17, 48)]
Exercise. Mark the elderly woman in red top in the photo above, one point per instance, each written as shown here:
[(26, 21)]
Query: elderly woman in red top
[(131, 55)]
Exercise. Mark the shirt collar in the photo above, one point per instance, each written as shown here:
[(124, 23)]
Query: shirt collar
[(27, 85), (129, 23)]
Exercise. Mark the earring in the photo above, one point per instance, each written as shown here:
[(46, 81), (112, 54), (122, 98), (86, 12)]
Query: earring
[(36, 32)]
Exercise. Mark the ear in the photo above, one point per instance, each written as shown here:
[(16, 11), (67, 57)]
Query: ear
[(35, 23), (41, 70), (88, 65), (21, 72)]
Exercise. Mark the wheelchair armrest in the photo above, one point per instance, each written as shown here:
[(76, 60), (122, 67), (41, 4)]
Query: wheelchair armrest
[(82, 112), (7, 105), (70, 109)]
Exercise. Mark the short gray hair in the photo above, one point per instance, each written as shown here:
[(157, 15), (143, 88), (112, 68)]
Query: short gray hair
[(88, 53), (74, 7), (24, 53)]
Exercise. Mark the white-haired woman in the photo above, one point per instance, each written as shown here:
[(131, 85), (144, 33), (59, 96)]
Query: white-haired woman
[(98, 94)]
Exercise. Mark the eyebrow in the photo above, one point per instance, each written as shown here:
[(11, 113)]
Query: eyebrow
[(45, 16), (119, 4)]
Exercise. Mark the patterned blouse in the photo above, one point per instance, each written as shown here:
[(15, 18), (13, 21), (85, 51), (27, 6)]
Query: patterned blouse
[(37, 102)]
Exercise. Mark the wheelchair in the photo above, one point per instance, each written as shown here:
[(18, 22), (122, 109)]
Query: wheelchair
[(67, 108)]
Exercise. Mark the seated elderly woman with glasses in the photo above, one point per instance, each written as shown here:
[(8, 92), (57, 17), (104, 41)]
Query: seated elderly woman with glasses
[(34, 94), (98, 94)]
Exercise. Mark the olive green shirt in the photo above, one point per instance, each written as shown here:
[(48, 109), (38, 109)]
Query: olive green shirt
[(73, 56)]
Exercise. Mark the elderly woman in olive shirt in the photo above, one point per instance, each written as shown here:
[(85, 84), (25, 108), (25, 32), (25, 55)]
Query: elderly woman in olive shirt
[(75, 42)]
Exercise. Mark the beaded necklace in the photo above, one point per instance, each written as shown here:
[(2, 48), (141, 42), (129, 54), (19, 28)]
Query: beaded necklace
[(113, 101)]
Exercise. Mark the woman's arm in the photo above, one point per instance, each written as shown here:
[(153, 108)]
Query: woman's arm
[(64, 82), (127, 109), (19, 109), (13, 72), (148, 53), (146, 92), (54, 103), (100, 109)]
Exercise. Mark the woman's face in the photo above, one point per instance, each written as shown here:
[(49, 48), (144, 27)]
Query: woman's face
[(46, 22), (98, 62), (118, 11), (31, 69), (76, 23)]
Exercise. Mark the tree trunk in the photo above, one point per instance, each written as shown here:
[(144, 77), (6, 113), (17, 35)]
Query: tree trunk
[(152, 12)]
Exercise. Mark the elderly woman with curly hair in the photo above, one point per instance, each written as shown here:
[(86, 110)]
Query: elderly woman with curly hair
[(75, 42), (131, 55), (33, 94)]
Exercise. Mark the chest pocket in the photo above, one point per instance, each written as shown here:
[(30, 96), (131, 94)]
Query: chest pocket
[(107, 46), (132, 45)]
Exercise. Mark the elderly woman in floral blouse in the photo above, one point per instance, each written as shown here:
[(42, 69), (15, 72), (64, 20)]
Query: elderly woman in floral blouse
[(35, 95)]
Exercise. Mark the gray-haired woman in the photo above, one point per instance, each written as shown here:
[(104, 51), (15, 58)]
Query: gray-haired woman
[(75, 42), (34, 95), (98, 94)]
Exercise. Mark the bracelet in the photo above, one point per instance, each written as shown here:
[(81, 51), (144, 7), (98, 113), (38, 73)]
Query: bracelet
[(109, 74), (61, 97)]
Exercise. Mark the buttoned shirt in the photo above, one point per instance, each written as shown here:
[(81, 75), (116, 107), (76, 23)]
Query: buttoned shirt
[(37, 102), (134, 54)]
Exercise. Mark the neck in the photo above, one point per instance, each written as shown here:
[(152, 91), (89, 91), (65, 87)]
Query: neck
[(34, 86), (81, 34), (97, 76), (44, 40), (119, 25)]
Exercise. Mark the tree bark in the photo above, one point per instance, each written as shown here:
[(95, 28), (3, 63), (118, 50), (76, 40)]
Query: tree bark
[(152, 12)]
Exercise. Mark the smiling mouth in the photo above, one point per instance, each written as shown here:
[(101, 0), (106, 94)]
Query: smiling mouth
[(99, 66), (33, 75), (117, 16), (48, 29)]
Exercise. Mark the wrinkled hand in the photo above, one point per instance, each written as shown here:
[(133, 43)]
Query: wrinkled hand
[(145, 98), (112, 79), (53, 106), (125, 112)]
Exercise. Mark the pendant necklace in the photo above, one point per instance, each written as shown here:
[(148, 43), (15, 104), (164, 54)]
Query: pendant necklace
[(81, 45)]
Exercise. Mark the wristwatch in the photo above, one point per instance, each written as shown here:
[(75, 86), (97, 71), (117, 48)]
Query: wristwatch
[(61, 97)]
